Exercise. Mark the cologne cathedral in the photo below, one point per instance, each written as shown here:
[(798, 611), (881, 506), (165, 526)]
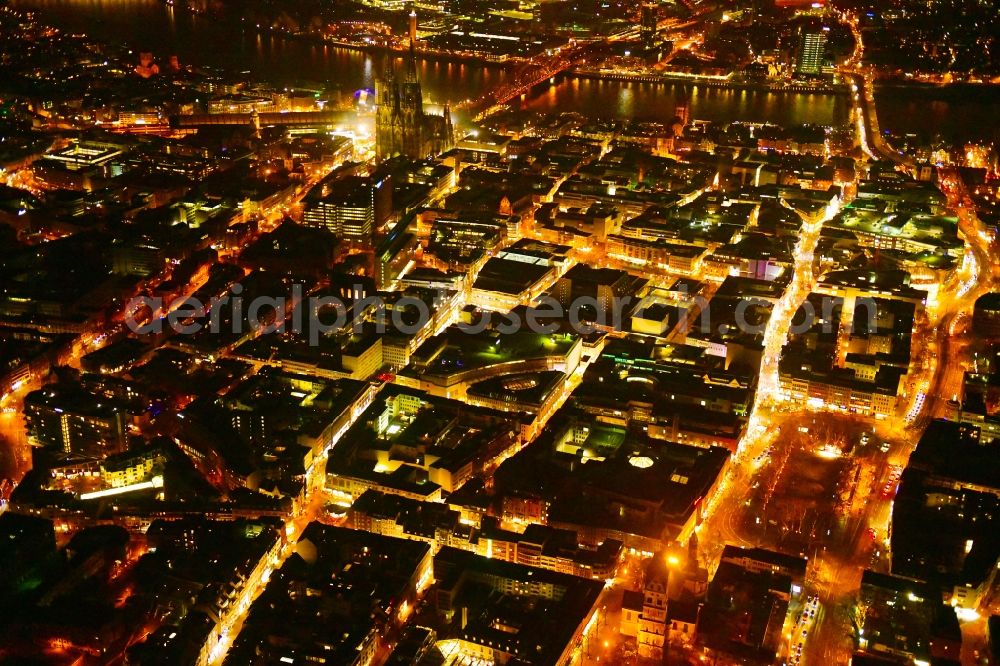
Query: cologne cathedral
[(401, 126)]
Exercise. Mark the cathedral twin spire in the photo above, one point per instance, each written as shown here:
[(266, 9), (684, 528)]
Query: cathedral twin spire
[(401, 127)]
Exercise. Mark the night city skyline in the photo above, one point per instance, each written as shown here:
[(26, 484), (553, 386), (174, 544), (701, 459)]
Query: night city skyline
[(500, 332)]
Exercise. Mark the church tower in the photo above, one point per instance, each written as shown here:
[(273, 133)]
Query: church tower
[(388, 130), (411, 105), (449, 129)]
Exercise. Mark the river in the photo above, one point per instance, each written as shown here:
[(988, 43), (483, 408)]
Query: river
[(151, 25)]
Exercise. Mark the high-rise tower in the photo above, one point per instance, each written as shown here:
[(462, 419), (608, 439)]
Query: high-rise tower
[(413, 25), (812, 46), (648, 22)]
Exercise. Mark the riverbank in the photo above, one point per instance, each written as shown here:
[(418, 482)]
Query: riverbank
[(961, 91), (674, 79)]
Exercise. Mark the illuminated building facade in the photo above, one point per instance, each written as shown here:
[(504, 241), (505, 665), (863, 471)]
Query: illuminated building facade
[(74, 422), (653, 618), (811, 47), (352, 208)]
